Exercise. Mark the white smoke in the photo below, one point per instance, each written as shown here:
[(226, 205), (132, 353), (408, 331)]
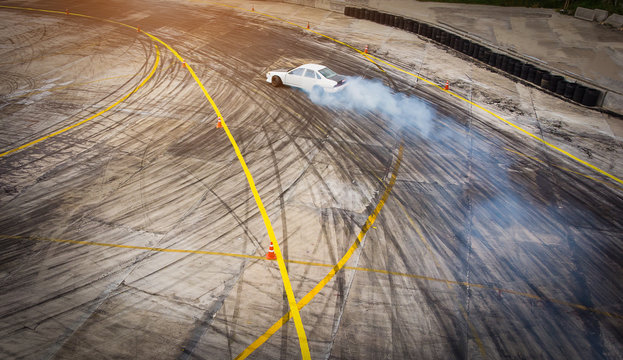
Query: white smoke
[(364, 95)]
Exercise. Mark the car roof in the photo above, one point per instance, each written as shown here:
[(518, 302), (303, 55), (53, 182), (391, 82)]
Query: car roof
[(313, 66)]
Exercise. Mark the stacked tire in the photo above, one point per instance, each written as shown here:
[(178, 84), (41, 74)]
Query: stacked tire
[(526, 71)]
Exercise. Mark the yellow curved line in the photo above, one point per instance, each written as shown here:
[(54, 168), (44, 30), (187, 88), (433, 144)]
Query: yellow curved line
[(58, 132), (298, 322), (282, 267), (310, 295)]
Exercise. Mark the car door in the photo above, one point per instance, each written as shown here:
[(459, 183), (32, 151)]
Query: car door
[(295, 77), (309, 80)]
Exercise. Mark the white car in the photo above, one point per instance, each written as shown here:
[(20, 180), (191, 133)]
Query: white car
[(309, 77)]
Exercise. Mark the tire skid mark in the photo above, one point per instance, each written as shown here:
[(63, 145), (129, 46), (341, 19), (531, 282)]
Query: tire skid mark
[(307, 298), (144, 68)]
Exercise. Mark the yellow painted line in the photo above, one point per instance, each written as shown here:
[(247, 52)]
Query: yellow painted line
[(585, 163), (271, 235), (564, 168), (537, 138), (334, 269), (309, 263), (63, 130), (146, 248)]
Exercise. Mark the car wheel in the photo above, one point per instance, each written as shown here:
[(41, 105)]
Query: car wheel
[(317, 91), (276, 81)]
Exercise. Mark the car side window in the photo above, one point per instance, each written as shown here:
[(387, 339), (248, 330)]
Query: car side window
[(318, 76), (297, 72), (310, 73)]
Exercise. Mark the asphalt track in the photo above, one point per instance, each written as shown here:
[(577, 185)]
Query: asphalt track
[(135, 234)]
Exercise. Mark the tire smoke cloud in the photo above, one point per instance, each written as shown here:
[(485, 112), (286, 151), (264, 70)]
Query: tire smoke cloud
[(366, 95)]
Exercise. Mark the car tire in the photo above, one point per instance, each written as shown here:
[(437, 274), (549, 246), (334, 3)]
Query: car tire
[(317, 91), (276, 81)]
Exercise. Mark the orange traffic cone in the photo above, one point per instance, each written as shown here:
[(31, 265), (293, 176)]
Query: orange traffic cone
[(138, 29), (270, 255), (252, 7), (365, 51), (218, 124), (66, 11), (184, 65), (447, 87), (308, 25)]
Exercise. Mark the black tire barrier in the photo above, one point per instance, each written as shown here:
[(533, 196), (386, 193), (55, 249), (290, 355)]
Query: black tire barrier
[(481, 53), (499, 61), (590, 97), (569, 90), (428, 31), (525, 69), (422, 29), (553, 85), (466, 46), (445, 38), (538, 75), (416, 27), (434, 34), (473, 49), (493, 58), (476, 51), (545, 80), (510, 65), (458, 44), (453, 41), (517, 68), (531, 74), (484, 55), (441, 37), (504, 62), (408, 25), (578, 93), (561, 86), (399, 22)]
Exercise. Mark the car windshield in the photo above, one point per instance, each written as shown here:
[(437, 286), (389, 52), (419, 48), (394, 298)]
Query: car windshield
[(328, 73)]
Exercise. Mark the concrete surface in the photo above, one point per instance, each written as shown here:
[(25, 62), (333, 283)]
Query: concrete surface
[(490, 245)]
